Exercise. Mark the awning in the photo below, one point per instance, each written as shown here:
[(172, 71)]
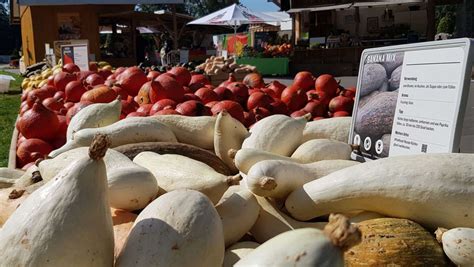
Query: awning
[(94, 2), (319, 8), (359, 4)]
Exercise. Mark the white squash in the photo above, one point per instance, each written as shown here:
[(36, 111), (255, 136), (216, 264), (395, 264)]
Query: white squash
[(237, 251), (277, 178), (30, 176), (66, 222), (458, 245), (307, 246), (94, 116), (278, 134), (431, 189), (126, 131), (8, 177), (245, 158), (238, 211), (131, 187), (334, 128), (229, 133), (272, 222), (197, 131), (180, 228), (174, 172), (322, 149)]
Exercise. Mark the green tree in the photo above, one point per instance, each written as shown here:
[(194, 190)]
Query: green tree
[(445, 18)]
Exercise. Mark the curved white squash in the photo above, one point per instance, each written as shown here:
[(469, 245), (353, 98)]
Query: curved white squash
[(238, 211), (174, 172), (237, 251), (8, 177), (180, 228), (131, 187), (94, 116), (245, 158), (126, 131), (229, 133), (278, 134), (272, 222), (197, 131), (277, 178), (333, 128), (431, 189), (458, 245), (306, 247), (48, 229), (322, 149)]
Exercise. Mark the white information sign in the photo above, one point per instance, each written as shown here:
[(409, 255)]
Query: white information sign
[(411, 99), (77, 54)]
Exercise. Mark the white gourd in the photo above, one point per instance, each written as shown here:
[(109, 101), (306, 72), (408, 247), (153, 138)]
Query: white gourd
[(8, 177), (307, 246), (131, 187), (333, 128), (197, 131), (94, 116), (229, 133), (237, 251), (66, 222), (238, 210), (245, 158), (430, 189), (126, 131), (272, 221), (174, 172), (458, 245), (180, 228), (322, 149), (277, 178), (278, 134)]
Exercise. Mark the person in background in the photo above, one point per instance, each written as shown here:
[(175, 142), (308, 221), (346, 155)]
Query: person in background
[(163, 52)]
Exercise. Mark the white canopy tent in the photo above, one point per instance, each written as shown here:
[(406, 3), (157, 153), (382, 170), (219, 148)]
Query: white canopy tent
[(94, 2)]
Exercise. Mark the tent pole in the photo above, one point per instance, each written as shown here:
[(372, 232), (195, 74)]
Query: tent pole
[(235, 38)]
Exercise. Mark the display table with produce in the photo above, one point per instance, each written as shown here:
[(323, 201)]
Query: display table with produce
[(268, 66)]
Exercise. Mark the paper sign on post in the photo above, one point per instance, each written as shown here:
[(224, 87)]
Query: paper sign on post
[(77, 54), (411, 99)]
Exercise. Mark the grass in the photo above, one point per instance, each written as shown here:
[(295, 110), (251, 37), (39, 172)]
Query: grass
[(9, 106)]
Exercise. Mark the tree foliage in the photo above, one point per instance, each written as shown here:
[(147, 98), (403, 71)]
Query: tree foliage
[(195, 8)]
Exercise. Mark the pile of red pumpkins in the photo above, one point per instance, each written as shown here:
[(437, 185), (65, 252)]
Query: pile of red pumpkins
[(46, 112)]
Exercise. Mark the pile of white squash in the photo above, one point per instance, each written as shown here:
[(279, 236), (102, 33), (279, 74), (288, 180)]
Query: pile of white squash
[(170, 190)]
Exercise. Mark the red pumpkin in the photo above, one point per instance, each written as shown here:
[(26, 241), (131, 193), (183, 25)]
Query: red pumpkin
[(326, 83), (254, 80), (32, 149), (259, 100), (82, 75), (240, 90), (105, 74), (23, 109), (230, 80), (322, 96), (74, 90), (183, 76), (294, 97), (53, 104), (93, 66), (162, 104), (341, 114), (304, 79), (68, 105), (168, 88), (298, 113), (71, 68), (143, 96), (193, 108), (61, 79), (234, 109), (38, 122), (341, 103), (120, 91), (136, 114), (59, 95), (277, 88), (249, 119), (145, 109), (129, 105), (132, 80), (198, 81), (60, 139), (260, 113), (167, 112), (99, 94), (37, 95), (278, 107), (190, 96), (316, 108), (75, 109), (207, 95), (211, 104), (94, 79), (224, 93), (152, 75)]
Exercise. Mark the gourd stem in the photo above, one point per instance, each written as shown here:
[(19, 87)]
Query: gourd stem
[(231, 153), (439, 234), (99, 146), (268, 183), (341, 232), (233, 180)]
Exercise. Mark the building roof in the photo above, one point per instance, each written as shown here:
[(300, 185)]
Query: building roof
[(94, 2)]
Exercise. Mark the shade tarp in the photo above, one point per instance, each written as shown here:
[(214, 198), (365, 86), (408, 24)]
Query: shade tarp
[(94, 2)]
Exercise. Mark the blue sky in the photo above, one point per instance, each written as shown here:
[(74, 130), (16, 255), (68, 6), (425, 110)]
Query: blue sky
[(260, 5)]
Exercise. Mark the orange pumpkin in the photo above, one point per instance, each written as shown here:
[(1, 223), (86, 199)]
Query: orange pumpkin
[(99, 94)]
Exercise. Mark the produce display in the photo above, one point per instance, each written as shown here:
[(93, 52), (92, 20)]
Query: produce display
[(220, 65), (174, 172)]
